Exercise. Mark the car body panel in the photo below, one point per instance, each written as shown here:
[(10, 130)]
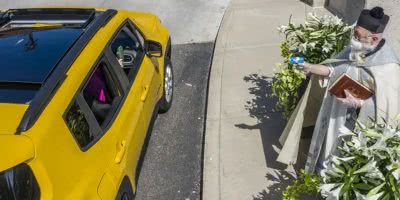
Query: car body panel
[(61, 168), (10, 116), (9, 145)]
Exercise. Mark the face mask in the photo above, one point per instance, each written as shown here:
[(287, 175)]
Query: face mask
[(356, 45), (357, 51), (360, 46)]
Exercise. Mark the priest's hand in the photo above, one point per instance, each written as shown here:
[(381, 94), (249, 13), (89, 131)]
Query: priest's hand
[(306, 67), (351, 101), (317, 69)]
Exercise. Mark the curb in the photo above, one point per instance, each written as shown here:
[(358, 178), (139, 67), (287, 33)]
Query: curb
[(211, 151)]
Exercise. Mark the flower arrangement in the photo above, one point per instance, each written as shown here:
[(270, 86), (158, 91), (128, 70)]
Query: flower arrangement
[(365, 167), (318, 39)]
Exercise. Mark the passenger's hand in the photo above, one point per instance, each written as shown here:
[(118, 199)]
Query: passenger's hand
[(351, 101)]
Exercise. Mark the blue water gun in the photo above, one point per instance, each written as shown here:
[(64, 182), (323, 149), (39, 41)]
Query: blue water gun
[(296, 60)]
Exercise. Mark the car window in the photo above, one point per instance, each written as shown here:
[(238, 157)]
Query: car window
[(101, 92), (78, 125), (94, 106), (128, 51)]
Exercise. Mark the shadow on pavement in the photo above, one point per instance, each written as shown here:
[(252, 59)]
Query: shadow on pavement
[(269, 122), (281, 181)]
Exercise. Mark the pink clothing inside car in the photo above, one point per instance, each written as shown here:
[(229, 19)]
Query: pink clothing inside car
[(96, 87)]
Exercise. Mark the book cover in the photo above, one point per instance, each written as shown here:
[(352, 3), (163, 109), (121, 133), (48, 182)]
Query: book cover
[(344, 82)]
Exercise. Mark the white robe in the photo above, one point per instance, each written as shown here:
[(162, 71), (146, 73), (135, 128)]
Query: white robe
[(382, 67)]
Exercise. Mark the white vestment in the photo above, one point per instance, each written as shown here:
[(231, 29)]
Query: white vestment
[(381, 72)]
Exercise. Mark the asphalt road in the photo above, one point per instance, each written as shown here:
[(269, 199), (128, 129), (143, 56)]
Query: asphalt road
[(172, 164)]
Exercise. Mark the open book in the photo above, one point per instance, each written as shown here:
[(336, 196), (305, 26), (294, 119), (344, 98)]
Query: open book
[(344, 82)]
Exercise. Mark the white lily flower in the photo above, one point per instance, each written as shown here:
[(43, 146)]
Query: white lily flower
[(325, 50), (367, 145), (347, 158), (362, 139), (389, 132), (313, 17), (331, 191), (310, 14), (327, 47), (303, 47), (282, 28), (312, 45), (395, 173), (375, 174), (370, 166)]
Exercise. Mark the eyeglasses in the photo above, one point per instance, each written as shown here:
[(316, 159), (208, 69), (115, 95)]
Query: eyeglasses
[(358, 38)]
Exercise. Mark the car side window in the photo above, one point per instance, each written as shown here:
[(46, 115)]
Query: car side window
[(94, 106), (101, 92), (78, 125), (128, 50)]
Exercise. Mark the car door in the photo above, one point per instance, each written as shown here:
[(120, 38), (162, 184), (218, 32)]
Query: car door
[(126, 53), (92, 114), (114, 119), (114, 105), (150, 68)]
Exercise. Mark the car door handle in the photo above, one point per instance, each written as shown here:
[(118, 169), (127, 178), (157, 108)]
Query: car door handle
[(145, 93), (121, 152)]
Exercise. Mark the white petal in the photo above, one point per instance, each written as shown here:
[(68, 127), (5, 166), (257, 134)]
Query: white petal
[(396, 174), (328, 190)]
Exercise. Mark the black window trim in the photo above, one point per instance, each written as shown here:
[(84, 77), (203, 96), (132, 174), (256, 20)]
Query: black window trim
[(119, 73), (130, 25), (135, 28), (94, 128)]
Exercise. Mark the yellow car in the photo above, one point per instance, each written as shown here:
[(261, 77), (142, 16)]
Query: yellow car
[(78, 90)]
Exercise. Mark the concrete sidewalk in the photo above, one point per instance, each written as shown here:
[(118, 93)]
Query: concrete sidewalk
[(242, 130)]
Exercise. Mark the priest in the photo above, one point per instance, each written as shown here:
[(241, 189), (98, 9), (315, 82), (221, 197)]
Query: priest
[(368, 59)]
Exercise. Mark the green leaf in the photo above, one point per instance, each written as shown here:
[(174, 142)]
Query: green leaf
[(375, 190), (366, 168), (363, 186)]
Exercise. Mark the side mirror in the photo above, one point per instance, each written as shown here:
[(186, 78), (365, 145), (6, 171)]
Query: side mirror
[(153, 48)]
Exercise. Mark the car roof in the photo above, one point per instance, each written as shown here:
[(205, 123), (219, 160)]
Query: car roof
[(34, 40), (29, 56), (40, 46)]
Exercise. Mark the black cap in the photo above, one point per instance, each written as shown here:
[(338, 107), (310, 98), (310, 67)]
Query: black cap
[(373, 20)]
